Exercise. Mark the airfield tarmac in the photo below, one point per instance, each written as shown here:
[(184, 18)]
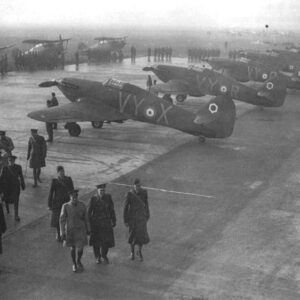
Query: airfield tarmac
[(231, 230)]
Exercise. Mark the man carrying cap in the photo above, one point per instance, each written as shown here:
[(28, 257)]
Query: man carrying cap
[(36, 154), (102, 218), (136, 215), (74, 228), (6, 146), (13, 181)]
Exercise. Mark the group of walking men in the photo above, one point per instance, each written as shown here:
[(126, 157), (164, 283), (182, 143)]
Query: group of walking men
[(74, 222), (11, 174)]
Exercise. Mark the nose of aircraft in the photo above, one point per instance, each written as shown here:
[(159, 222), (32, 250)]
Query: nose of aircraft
[(48, 83), (148, 69)]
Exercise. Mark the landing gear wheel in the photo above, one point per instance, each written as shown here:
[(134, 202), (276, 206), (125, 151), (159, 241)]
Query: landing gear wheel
[(97, 124), (74, 129), (201, 139), (180, 98)]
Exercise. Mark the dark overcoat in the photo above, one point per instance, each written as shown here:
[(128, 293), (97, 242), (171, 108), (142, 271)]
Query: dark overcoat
[(37, 151), (102, 218), (136, 214), (58, 195), (12, 181), (2, 226)]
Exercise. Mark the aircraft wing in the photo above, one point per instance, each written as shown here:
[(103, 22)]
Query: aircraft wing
[(37, 41), (6, 47), (171, 87), (82, 110)]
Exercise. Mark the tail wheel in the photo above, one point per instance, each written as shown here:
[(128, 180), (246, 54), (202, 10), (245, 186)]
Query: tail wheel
[(97, 124), (74, 129), (180, 98)]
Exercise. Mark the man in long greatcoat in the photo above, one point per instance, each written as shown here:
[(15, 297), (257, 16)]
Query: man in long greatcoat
[(12, 181), (102, 219), (74, 228), (36, 154), (58, 195), (136, 215), (6, 147)]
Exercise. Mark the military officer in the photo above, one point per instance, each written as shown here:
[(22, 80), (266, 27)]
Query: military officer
[(36, 154), (102, 219), (136, 215), (74, 228), (6, 146), (58, 195), (12, 181)]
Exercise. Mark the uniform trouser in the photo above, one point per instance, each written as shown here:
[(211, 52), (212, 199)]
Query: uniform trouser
[(49, 129), (100, 251), (16, 207)]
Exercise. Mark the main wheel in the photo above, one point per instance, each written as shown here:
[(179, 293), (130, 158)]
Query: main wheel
[(97, 124), (180, 98), (74, 129), (201, 139)]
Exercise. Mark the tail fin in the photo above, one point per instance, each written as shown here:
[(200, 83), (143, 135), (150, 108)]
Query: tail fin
[(218, 117), (294, 82), (274, 91)]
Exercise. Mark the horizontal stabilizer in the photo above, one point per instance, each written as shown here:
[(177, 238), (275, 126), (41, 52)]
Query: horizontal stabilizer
[(80, 111), (37, 41)]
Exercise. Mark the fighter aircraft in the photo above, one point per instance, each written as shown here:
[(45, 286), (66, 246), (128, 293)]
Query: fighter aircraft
[(44, 54), (248, 70), (197, 82), (106, 48), (273, 59), (117, 100)]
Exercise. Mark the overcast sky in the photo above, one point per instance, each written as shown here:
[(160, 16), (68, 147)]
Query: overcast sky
[(199, 13)]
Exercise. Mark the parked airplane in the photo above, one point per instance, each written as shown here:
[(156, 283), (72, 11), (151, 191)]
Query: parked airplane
[(44, 54), (248, 70), (106, 48), (197, 82), (272, 59), (117, 101)]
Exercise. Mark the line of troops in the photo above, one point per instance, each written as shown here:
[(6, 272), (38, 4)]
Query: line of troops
[(198, 54), (73, 221), (160, 54), (234, 54), (35, 61)]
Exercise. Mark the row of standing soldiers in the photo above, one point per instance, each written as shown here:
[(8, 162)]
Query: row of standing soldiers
[(160, 54), (198, 54), (36, 61), (234, 54)]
